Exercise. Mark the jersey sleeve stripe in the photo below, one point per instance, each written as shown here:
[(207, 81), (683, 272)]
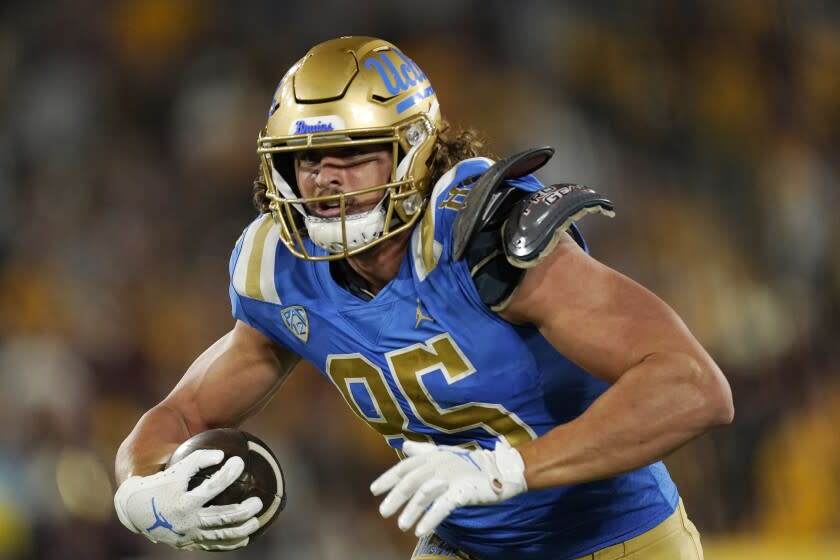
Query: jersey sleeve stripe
[(240, 269), (267, 278), (425, 249), (253, 275), (255, 259)]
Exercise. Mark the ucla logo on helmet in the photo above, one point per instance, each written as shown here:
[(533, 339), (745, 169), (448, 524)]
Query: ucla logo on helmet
[(297, 321), (400, 80)]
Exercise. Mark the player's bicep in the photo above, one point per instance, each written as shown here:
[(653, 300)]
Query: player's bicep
[(597, 317), (231, 380)]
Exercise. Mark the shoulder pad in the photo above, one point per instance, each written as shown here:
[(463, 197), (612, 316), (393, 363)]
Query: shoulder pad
[(490, 193), (539, 220)]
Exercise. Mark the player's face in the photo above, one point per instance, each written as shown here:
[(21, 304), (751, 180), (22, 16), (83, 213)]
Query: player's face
[(343, 171)]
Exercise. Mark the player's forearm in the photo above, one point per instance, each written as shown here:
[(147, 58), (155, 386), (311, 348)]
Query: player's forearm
[(654, 408), (227, 383), (151, 442)]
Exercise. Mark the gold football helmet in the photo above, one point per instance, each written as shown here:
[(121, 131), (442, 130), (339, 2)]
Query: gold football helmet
[(349, 92)]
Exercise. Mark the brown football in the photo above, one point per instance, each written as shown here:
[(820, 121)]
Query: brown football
[(262, 476)]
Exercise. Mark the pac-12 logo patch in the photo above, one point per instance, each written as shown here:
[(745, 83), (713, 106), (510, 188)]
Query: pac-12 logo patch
[(296, 320)]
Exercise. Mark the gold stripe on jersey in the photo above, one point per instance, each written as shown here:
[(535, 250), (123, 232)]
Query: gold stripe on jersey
[(425, 249), (255, 259), (253, 274), (431, 248)]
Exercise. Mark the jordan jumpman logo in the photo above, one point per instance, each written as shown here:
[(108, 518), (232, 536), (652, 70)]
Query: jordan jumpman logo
[(420, 316), (160, 521)]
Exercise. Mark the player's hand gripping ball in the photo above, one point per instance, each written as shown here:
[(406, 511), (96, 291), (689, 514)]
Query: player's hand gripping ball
[(261, 477)]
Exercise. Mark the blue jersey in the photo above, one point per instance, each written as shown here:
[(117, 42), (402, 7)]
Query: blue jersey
[(426, 360)]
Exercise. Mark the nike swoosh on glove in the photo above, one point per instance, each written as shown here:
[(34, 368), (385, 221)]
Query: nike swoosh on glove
[(161, 508), (436, 479)]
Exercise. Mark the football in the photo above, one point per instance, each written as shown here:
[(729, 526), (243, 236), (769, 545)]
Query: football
[(262, 476)]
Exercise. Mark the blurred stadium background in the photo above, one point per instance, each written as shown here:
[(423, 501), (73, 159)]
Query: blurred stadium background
[(126, 159)]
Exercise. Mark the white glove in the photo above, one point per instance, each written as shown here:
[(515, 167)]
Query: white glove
[(435, 479), (160, 507)]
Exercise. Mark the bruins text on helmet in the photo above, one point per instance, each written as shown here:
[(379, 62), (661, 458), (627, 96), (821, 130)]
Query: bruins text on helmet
[(350, 92)]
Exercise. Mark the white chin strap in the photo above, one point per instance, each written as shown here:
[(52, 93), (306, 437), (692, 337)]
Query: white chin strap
[(362, 228)]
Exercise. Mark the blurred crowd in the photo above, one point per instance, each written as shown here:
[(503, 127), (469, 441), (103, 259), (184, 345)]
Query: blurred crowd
[(127, 152)]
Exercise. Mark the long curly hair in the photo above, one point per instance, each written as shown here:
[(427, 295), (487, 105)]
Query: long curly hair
[(453, 146)]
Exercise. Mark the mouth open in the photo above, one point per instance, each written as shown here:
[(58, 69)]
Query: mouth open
[(332, 209), (328, 209)]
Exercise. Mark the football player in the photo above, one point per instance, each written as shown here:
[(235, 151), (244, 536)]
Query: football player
[(529, 390)]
